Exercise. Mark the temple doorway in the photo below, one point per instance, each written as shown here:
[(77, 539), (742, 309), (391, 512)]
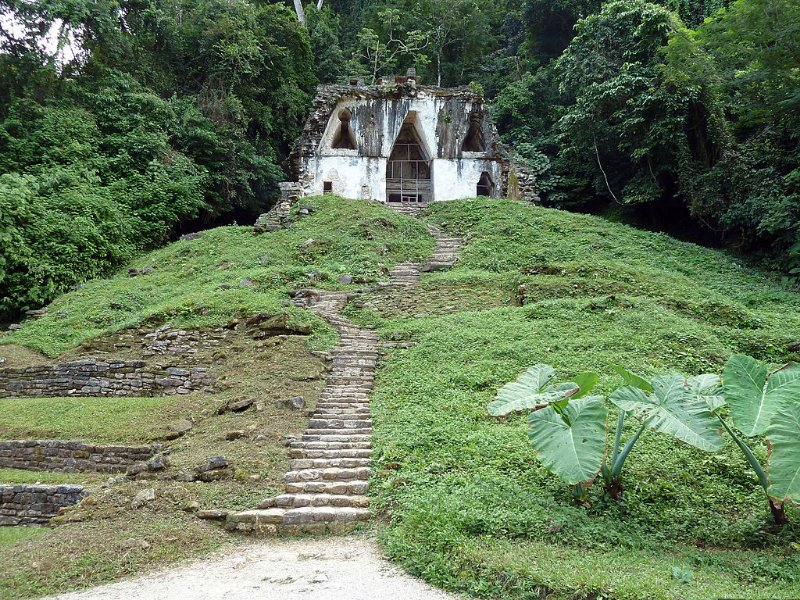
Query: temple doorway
[(408, 172)]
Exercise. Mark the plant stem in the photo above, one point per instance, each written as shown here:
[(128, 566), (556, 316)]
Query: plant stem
[(616, 468), (618, 437), (748, 453), (779, 516), (614, 487)]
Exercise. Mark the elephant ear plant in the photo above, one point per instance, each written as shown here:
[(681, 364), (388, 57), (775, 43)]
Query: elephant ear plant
[(568, 427), (670, 404), (766, 404)]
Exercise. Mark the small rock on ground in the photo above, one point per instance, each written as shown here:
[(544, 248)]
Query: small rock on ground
[(337, 568)]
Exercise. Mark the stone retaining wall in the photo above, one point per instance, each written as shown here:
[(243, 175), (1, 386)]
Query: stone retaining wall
[(31, 504), (71, 456), (92, 377)]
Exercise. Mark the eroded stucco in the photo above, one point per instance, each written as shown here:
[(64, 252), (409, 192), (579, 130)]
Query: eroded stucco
[(441, 119)]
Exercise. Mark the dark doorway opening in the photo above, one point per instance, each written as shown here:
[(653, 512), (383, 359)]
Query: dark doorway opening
[(474, 141), (486, 185), (344, 138), (408, 172)]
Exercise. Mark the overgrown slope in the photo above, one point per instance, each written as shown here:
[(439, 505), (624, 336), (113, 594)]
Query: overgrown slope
[(224, 275), (228, 273), (469, 508)]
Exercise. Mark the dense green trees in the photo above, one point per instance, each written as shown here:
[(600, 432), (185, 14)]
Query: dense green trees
[(175, 112), (698, 126)]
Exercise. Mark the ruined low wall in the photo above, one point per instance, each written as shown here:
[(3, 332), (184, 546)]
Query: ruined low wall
[(93, 377), (32, 504), (71, 456)]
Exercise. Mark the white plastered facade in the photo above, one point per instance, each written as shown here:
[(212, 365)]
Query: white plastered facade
[(361, 173)]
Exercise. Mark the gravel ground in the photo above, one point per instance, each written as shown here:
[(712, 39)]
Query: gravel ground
[(335, 568)]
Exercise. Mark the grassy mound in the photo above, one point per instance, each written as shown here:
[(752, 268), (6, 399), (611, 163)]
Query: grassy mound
[(228, 272), (468, 505)]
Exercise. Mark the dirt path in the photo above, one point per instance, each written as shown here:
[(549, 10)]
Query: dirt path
[(340, 568)]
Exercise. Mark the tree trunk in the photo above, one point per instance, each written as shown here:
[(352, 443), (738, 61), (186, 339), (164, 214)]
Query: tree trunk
[(319, 4), (301, 14), (438, 69), (778, 513)]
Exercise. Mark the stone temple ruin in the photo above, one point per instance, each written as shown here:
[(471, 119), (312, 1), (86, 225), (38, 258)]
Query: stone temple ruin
[(400, 142)]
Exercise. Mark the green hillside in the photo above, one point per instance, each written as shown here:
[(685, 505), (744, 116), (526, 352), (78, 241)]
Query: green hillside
[(228, 272), (225, 274), (467, 505), (460, 498)]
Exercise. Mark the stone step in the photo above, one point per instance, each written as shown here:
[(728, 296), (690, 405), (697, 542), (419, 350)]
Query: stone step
[(329, 415), (347, 405), (343, 402), (337, 432), (354, 487), (258, 518), (328, 474), (328, 463), (326, 453), (332, 445), (336, 410), (299, 500), (316, 424), (337, 437)]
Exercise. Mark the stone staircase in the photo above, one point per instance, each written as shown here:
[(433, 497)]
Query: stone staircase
[(325, 492), (410, 209)]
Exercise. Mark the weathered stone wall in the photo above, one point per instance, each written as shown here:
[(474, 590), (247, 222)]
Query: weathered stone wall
[(183, 346), (71, 456), (92, 377), (31, 504)]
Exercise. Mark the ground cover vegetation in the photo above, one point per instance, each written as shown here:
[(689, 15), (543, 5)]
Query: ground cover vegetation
[(467, 504), (218, 279), (228, 272)]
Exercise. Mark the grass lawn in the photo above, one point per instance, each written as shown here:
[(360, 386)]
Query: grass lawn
[(467, 505), (45, 477), (12, 535), (100, 420)]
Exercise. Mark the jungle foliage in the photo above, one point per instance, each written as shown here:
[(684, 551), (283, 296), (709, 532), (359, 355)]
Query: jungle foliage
[(158, 116), (681, 115), (568, 431)]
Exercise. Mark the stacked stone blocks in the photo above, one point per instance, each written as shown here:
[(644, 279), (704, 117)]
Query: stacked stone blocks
[(36, 504), (112, 377), (71, 456)]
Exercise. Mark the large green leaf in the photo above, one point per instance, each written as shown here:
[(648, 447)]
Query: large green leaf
[(633, 379), (531, 390), (754, 396), (671, 409), (783, 468), (586, 382), (572, 446), (708, 388)]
